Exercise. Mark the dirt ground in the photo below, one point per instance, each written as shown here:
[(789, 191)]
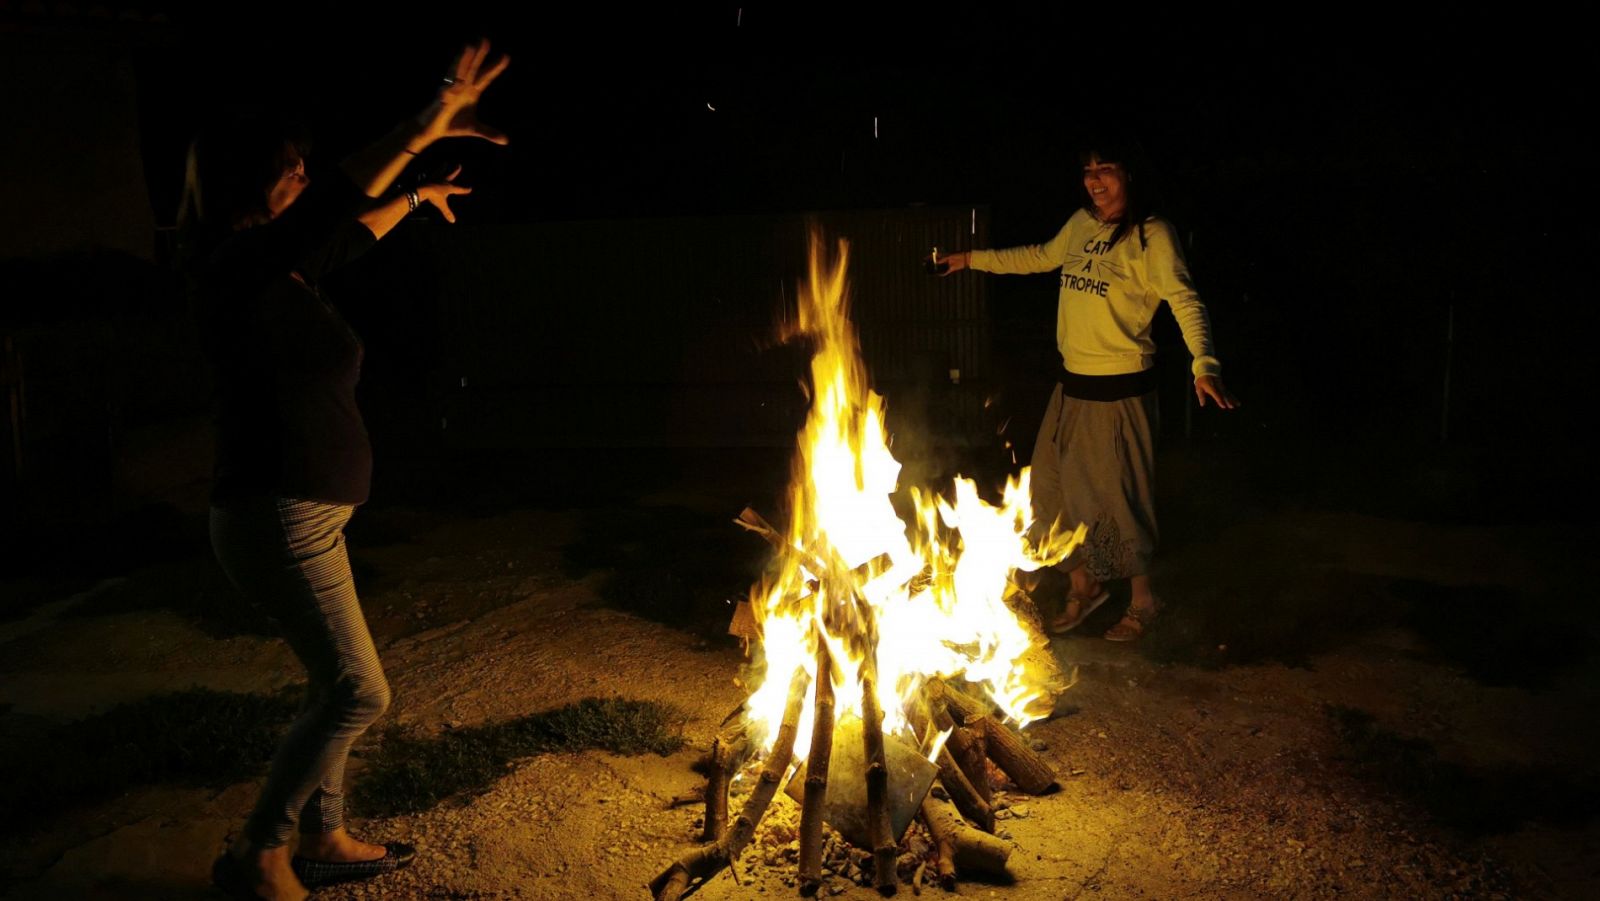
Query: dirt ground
[(1335, 704)]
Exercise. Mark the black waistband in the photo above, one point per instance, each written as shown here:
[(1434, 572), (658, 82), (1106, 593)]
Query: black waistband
[(1108, 387)]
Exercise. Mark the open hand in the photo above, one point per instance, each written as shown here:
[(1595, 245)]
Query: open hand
[(949, 263), (1211, 386), (454, 114), (439, 194)]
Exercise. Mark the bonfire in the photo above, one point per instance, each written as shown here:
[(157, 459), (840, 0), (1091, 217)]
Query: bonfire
[(889, 650)]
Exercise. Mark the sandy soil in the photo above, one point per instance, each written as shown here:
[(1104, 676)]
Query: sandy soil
[(1371, 762)]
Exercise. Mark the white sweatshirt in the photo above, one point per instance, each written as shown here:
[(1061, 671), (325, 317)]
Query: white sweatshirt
[(1109, 295)]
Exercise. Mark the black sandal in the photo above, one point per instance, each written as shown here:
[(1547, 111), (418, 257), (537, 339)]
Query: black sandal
[(314, 873)]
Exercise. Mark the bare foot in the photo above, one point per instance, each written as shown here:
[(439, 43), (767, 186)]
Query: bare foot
[(1084, 586), (338, 846), (266, 874), (1075, 610)]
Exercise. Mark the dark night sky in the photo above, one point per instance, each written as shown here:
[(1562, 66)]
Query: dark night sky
[(1357, 177), (608, 108), (1352, 187), (1349, 182)]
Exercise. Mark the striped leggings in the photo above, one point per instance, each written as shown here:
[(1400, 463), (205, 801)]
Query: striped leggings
[(288, 558)]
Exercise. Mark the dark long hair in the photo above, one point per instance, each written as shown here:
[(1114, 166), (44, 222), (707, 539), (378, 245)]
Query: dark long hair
[(1114, 145), (231, 168)]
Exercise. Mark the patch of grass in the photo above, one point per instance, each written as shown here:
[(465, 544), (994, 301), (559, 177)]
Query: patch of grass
[(192, 737), (409, 773)]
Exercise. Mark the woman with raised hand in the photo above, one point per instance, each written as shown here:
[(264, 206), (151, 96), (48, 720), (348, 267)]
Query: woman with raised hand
[(293, 460)]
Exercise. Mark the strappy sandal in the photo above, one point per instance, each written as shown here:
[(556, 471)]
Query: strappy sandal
[(1133, 623), (1076, 611)]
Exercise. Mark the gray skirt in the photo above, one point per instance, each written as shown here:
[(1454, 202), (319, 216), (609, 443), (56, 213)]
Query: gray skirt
[(1094, 463)]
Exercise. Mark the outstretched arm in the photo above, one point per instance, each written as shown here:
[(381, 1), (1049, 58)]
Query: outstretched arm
[(453, 114), (384, 216), (1011, 260)]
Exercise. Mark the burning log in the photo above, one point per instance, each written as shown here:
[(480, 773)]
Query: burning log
[(960, 789), (753, 521), (749, 519), (1027, 769), (961, 847), (944, 843), (743, 626), (958, 703), (966, 746), (852, 570), (817, 777), (729, 751), (708, 860), (973, 805), (885, 844)]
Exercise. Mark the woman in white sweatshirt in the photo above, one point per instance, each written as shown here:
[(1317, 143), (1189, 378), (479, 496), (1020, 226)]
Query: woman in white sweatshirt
[(1094, 460)]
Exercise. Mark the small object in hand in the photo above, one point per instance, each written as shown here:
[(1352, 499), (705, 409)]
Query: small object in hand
[(933, 266)]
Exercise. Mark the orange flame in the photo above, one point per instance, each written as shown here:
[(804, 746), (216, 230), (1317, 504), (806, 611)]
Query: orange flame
[(922, 600)]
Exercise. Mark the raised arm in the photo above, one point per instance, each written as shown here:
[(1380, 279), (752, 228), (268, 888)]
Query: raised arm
[(1012, 260), (315, 234), (385, 215), (453, 114)]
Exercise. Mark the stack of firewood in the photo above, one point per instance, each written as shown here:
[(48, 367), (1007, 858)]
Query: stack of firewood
[(961, 828)]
